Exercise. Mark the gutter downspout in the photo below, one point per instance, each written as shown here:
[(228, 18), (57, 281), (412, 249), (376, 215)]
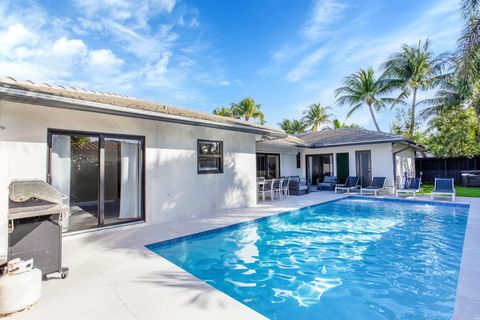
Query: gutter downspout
[(395, 162)]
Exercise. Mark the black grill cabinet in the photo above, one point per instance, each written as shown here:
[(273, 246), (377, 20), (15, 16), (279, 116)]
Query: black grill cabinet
[(35, 215)]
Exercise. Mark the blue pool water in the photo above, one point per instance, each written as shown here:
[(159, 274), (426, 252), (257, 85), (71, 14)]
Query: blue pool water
[(353, 258)]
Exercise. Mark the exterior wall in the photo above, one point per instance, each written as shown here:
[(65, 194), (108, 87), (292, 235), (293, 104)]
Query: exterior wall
[(288, 158), (174, 190), (381, 158), (404, 162)]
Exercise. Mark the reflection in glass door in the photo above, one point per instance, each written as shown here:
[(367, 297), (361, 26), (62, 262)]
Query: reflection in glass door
[(318, 166), (102, 176), (268, 165)]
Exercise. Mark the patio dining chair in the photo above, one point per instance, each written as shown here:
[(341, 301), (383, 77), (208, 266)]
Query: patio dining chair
[(378, 184), (350, 184), (412, 186), (266, 188), (277, 188), (286, 187), (443, 187)]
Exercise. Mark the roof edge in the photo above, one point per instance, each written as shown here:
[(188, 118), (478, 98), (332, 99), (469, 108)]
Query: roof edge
[(49, 100)]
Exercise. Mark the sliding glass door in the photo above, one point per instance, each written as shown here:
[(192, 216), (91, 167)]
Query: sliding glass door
[(319, 166), (102, 175), (268, 165)]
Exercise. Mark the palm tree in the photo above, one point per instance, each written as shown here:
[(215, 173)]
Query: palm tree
[(363, 88), (298, 126), (223, 111), (339, 125), (248, 109), (286, 125), (468, 52), (315, 116), (412, 69), (292, 126)]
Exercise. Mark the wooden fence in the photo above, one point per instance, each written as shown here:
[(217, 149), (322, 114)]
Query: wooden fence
[(431, 168)]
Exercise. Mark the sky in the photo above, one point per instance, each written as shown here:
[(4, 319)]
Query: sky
[(201, 54)]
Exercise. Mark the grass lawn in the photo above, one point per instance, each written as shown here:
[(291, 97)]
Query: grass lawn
[(461, 191)]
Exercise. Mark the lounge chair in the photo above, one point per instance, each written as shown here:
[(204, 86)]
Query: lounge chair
[(328, 183), (350, 184), (378, 184), (412, 185), (443, 187)]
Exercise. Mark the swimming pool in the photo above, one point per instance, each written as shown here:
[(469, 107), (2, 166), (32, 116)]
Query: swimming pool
[(354, 258)]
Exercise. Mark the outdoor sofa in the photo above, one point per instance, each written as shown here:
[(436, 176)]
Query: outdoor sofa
[(328, 183), (297, 186)]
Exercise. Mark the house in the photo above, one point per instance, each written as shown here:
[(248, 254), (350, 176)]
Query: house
[(124, 160), (339, 152)]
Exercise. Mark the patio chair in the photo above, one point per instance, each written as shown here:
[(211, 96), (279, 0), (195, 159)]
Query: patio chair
[(378, 184), (266, 188), (443, 187), (412, 185), (277, 188), (286, 187), (350, 184), (328, 183)]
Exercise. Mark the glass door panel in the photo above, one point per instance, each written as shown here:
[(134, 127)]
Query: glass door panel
[(74, 165), (273, 167), (123, 180)]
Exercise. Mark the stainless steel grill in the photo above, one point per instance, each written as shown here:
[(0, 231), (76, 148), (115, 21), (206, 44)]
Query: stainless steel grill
[(35, 216)]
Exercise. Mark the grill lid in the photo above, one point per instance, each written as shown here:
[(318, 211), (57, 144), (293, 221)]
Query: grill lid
[(23, 190)]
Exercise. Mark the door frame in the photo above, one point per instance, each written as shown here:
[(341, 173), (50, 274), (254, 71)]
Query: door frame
[(101, 170), (269, 154), (357, 163), (319, 154)]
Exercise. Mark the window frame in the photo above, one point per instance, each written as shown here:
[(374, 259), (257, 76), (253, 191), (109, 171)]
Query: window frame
[(211, 156)]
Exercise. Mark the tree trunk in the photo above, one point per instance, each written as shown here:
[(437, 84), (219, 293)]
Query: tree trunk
[(412, 113), (373, 117)]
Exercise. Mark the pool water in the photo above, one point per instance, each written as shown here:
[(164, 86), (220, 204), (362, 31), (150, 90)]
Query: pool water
[(353, 258)]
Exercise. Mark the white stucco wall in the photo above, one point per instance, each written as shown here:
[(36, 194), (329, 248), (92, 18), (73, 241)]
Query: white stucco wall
[(381, 153), (288, 158), (174, 190), (405, 162)]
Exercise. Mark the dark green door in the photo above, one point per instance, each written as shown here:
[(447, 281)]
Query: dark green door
[(342, 167)]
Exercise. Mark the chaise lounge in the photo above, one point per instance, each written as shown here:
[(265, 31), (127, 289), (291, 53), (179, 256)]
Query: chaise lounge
[(350, 184), (378, 184), (412, 186), (443, 187)]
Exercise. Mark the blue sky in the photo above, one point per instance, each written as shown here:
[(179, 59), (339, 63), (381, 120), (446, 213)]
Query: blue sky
[(205, 54)]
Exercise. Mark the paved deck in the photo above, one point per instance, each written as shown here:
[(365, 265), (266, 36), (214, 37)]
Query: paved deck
[(112, 275)]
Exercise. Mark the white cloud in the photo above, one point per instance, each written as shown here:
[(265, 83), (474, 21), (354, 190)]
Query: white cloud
[(304, 67), (104, 58), (323, 15), (69, 49), (15, 36)]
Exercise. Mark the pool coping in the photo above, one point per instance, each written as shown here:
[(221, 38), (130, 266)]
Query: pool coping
[(467, 300)]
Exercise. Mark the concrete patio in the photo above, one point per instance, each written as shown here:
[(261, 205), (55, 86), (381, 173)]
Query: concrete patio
[(113, 276)]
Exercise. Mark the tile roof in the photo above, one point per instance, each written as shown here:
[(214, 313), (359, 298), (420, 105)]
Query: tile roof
[(128, 102), (329, 137), (339, 137)]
